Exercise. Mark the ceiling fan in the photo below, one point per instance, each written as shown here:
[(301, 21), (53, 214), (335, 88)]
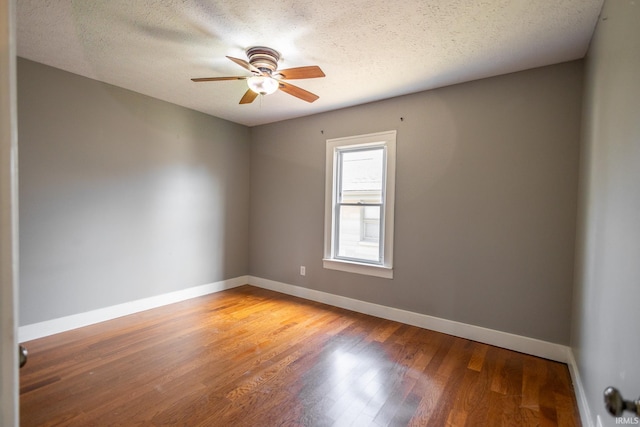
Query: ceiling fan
[(266, 78)]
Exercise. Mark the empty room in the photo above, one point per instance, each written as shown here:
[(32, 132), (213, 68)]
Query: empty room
[(320, 214)]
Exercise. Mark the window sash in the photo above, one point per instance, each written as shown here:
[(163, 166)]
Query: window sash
[(339, 204), (363, 245)]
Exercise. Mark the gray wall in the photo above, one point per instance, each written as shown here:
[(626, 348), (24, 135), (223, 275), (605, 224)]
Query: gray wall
[(606, 321), (486, 199), (122, 196)]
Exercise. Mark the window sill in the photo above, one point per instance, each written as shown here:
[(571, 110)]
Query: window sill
[(358, 268)]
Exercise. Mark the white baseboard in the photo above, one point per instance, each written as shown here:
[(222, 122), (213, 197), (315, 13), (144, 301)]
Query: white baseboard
[(535, 347), (581, 395), (506, 340), (61, 324)]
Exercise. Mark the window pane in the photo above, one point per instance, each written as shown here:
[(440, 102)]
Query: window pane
[(351, 242), (371, 231), (372, 212), (362, 173), (370, 227)]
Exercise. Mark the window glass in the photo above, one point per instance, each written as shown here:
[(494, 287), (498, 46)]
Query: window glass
[(360, 180), (361, 175)]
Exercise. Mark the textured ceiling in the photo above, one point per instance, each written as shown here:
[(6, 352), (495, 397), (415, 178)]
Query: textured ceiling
[(368, 49)]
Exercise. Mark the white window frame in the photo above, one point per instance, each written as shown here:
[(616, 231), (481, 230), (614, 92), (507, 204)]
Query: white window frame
[(380, 139)]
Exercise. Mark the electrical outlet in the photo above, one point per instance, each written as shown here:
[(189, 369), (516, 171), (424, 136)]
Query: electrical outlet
[(303, 270)]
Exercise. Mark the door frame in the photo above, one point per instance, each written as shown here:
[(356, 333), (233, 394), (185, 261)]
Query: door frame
[(9, 379)]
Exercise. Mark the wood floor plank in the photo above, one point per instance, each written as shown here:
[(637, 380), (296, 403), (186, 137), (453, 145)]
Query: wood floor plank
[(477, 357), (252, 357)]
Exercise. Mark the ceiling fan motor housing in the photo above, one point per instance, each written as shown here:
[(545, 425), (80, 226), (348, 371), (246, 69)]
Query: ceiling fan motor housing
[(263, 58)]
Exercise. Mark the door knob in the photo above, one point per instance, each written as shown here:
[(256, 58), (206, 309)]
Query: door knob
[(616, 405), (22, 352)]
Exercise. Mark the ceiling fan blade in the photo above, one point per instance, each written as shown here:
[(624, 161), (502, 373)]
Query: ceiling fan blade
[(244, 64), (248, 97), (297, 92), (310, 72), (217, 79)]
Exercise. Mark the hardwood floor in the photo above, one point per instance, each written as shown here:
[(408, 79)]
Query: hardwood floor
[(252, 357)]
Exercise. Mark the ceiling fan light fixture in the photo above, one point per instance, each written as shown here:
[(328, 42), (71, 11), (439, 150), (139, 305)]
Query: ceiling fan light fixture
[(262, 85)]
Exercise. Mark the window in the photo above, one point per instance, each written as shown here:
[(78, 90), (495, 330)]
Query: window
[(359, 203)]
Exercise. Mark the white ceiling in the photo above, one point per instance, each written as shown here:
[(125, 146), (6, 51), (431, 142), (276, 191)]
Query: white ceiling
[(368, 49)]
